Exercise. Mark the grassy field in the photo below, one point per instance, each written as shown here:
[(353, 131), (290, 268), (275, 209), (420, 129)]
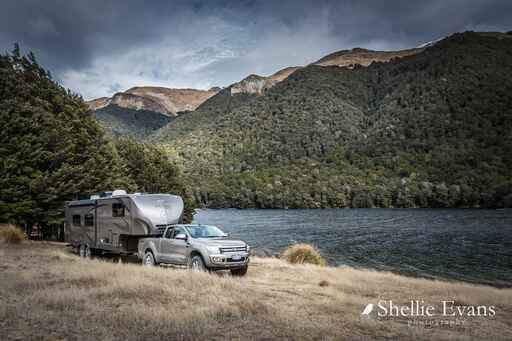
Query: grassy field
[(48, 293)]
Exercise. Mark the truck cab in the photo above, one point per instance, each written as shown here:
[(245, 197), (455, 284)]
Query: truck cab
[(199, 247)]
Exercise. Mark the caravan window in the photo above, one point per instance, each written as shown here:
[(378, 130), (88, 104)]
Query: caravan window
[(77, 220), (89, 220), (117, 209)]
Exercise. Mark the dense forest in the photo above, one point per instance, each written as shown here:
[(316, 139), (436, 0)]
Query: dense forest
[(52, 149), (429, 130), (124, 121)]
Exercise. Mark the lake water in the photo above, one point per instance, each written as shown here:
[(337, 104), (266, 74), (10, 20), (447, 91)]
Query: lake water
[(461, 244)]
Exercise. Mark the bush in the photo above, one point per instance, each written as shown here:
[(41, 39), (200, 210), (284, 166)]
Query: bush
[(302, 254), (11, 235)]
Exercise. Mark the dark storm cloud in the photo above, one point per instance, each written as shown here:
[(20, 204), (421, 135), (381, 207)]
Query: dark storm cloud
[(99, 47)]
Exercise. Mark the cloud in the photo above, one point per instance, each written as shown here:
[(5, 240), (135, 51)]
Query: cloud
[(97, 48)]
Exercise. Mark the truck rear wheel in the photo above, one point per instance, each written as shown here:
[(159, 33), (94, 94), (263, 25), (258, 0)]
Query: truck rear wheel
[(239, 271), (149, 259)]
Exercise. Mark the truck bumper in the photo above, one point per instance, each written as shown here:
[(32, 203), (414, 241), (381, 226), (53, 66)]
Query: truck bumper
[(227, 261)]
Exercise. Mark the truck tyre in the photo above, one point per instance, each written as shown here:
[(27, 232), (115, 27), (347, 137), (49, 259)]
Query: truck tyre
[(239, 271), (149, 259), (197, 263)]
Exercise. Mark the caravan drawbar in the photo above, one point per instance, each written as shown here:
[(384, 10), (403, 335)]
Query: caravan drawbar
[(115, 221)]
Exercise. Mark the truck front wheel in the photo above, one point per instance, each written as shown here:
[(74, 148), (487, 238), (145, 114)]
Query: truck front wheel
[(196, 263), (239, 271), (149, 259)]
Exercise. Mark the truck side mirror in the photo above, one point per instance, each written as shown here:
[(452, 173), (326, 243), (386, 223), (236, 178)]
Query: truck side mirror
[(181, 236)]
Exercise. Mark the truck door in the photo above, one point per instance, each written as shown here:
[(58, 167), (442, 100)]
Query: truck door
[(166, 246), (178, 247)]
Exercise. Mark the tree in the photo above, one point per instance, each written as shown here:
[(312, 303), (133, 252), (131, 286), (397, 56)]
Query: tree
[(152, 171), (51, 149)]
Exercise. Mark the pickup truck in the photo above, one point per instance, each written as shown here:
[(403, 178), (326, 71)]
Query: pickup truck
[(200, 247)]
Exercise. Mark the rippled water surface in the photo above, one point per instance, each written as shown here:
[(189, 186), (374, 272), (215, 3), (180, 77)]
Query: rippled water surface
[(462, 244)]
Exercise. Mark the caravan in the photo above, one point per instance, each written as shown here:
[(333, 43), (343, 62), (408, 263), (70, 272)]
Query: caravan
[(115, 221)]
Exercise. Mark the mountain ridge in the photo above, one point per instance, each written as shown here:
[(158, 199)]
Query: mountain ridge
[(407, 132), (167, 101)]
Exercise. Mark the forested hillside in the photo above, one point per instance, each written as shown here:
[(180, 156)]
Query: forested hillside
[(52, 149), (429, 130), (125, 121)]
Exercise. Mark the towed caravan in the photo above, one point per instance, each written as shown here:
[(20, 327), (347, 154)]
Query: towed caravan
[(114, 222)]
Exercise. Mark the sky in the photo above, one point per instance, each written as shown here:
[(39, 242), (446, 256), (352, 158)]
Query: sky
[(97, 48)]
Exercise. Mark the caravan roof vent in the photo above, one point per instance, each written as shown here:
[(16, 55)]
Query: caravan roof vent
[(95, 196), (118, 192)]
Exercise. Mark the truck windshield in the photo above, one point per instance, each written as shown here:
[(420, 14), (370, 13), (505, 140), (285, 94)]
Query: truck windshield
[(201, 231)]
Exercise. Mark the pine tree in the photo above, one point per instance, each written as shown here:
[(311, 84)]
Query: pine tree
[(51, 149)]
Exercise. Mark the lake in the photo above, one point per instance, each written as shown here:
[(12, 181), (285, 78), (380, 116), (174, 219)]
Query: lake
[(462, 244)]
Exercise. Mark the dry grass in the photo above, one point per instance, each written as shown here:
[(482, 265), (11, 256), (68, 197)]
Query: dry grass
[(46, 293), (303, 254), (11, 234)]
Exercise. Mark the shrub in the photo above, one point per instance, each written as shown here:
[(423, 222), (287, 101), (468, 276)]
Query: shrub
[(303, 253), (10, 234)]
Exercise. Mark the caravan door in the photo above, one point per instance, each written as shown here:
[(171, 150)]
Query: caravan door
[(113, 219)]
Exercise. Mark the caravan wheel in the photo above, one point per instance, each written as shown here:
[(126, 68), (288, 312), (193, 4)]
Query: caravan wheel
[(81, 250), (84, 251), (88, 252)]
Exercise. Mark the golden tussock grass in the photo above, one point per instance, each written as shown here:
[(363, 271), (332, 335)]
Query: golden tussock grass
[(47, 293), (303, 254), (11, 234)]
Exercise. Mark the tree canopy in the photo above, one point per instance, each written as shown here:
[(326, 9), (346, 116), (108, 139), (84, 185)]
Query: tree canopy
[(52, 149)]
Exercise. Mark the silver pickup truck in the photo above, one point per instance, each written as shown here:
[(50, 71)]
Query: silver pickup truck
[(200, 247)]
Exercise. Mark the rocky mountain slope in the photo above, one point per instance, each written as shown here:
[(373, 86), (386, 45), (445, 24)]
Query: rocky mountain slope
[(140, 111), (429, 129), (152, 102), (254, 85), (157, 99), (363, 57)]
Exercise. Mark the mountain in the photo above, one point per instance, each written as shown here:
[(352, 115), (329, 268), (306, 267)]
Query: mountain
[(124, 121), (157, 99), (432, 128), (364, 57), (254, 85), (139, 111), (98, 103), (119, 113)]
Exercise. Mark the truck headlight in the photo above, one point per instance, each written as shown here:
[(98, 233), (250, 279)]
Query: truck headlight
[(212, 249)]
